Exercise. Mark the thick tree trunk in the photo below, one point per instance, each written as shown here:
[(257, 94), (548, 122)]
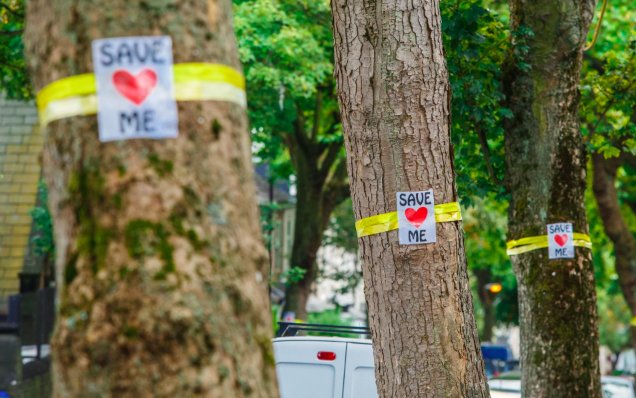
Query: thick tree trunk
[(604, 186), (161, 270), (545, 161), (394, 98)]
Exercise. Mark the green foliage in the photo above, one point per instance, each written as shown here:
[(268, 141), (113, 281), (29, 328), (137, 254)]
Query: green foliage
[(43, 243), (608, 87), (614, 318), (14, 80), (609, 95), (286, 50), (276, 311), (476, 41), (268, 221), (329, 317), (293, 275)]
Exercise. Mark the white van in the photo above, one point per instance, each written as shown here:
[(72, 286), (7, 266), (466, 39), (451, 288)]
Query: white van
[(324, 367)]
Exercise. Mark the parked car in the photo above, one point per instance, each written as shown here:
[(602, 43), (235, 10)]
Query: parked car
[(497, 359), (336, 367), (618, 387), (324, 367)]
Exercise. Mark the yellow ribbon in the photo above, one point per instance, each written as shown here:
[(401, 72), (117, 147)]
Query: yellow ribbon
[(386, 222), (76, 95), (530, 243)]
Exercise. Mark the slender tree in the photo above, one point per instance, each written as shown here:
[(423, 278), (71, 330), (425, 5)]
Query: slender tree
[(615, 224), (294, 112), (394, 100), (161, 269), (545, 160), (608, 117)]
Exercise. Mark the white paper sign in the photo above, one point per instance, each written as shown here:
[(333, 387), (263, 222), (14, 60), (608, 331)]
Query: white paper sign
[(416, 217), (560, 241), (134, 88)]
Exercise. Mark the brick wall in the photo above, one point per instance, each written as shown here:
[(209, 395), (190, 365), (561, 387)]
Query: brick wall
[(20, 147)]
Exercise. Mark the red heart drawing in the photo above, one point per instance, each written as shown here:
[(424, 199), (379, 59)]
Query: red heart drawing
[(561, 240), (135, 88), (416, 217)]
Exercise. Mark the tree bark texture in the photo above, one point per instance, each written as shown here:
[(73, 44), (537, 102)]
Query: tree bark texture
[(160, 265), (545, 160), (394, 100), (606, 194)]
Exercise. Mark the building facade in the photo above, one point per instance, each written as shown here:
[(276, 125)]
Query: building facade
[(20, 149)]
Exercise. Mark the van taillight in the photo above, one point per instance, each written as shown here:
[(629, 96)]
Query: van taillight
[(326, 355)]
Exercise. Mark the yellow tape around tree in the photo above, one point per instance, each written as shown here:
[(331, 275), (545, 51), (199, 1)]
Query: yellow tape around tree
[(530, 243), (386, 222), (76, 95)]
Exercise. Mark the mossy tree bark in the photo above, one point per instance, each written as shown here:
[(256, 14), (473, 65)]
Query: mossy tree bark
[(615, 226), (545, 160), (394, 99), (161, 268)]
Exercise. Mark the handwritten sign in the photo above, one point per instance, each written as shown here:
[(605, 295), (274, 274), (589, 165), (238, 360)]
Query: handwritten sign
[(134, 88), (560, 241), (416, 217)]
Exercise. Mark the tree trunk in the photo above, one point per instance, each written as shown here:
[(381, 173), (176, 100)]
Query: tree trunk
[(394, 98), (545, 160), (161, 269), (312, 217), (318, 195), (484, 277), (308, 231), (604, 186)]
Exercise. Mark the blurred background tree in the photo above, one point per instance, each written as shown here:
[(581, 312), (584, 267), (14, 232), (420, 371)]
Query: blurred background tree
[(287, 54)]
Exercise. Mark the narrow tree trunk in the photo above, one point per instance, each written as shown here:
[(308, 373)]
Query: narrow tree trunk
[(484, 276), (545, 161), (161, 269), (394, 98), (308, 231), (604, 186), (315, 201)]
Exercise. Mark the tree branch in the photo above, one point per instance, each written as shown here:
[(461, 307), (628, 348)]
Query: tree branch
[(604, 188), (337, 185), (300, 132), (328, 157), (486, 151), (14, 67), (13, 12), (292, 145), (11, 32), (611, 103), (595, 63)]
